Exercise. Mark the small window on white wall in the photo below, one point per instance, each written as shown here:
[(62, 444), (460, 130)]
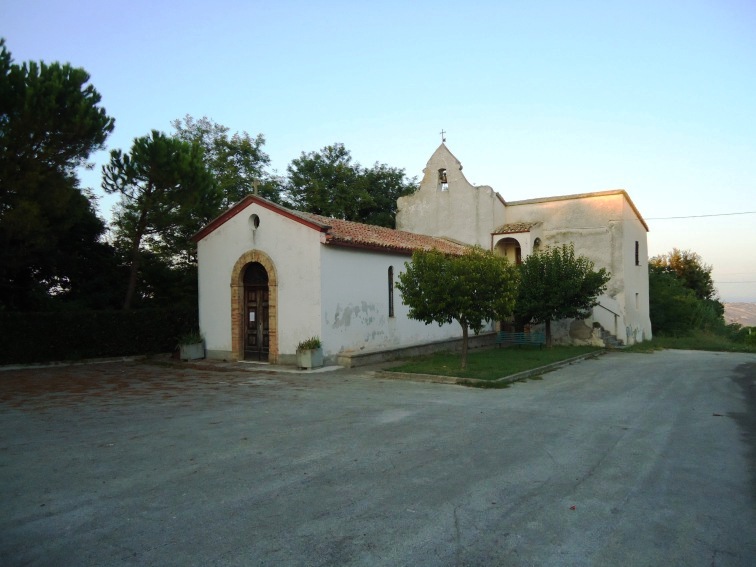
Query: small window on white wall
[(637, 253), (391, 290), (254, 222)]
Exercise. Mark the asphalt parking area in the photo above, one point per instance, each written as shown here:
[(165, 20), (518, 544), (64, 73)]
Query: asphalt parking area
[(625, 459)]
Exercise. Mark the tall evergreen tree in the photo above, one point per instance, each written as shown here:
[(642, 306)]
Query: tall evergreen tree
[(167, 194), (50, 123)]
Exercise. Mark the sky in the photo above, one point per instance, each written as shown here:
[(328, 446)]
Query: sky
[(537, 99)]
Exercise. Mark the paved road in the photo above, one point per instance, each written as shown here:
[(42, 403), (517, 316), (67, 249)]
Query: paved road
[(629, 459)]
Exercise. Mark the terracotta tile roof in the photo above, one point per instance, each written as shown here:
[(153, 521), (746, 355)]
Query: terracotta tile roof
[(513, 227), (344, 233), (348, 233)]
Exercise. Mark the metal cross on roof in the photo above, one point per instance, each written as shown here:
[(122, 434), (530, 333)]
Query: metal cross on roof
[(443, 137)]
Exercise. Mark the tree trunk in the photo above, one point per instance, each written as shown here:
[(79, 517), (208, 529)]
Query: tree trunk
[(548, 333), (134, 270), (135, 258), (464, 345)]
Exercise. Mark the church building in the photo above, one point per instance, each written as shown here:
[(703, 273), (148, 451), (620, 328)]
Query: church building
[(271, 277)]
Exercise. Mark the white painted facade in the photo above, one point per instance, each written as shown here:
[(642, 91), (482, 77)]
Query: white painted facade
[(456, 209), (603, 226), (297, 262), (340, 293), (355, 304), (336, 293)]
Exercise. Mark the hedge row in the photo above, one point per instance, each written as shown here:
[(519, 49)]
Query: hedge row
[(74, 335)]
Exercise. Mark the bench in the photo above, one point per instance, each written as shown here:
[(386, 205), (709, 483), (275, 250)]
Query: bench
[(509, 338)]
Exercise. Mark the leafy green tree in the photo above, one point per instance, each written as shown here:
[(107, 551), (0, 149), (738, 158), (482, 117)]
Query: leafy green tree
[(671, 303), (236, 161), (167, 194), (556, 284), (689, 267), (682, 297), (384, 185), (329, 183), (470, 289), (50, 123)]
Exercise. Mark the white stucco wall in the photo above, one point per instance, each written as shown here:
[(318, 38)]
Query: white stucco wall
[(604, 228), (637, 315), (355, 306), (462, 212), (339, 294), (296, 261), (592, 224)]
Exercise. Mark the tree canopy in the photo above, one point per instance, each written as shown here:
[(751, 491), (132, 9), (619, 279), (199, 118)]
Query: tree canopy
[(329, 183), (50, 122), (557, 284), (235, 161), (470, 289), (682, 296), (167, 194), (689, 267)]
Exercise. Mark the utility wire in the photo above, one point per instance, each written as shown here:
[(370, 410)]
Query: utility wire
[(701, 216)]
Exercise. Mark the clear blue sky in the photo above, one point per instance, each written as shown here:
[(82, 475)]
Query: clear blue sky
[(538, 98)]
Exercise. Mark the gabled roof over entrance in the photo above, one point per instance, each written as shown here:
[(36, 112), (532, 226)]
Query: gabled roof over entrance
[(515, 227), (337, 232)]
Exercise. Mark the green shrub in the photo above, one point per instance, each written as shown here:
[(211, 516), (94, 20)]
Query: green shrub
[(309, 344), (72, 335)]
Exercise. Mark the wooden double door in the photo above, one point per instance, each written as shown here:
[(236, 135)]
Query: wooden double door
[(256, 316)]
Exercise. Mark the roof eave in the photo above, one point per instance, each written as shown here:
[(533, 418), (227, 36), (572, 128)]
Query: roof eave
[(247, 201)]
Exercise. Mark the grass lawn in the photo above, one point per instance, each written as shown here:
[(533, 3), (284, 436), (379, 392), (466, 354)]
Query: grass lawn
[(491, 364), (699, 340)]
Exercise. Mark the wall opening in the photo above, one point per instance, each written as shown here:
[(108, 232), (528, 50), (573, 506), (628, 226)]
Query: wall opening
[(510, 249), (391, 291), (443, 180), (637, 253)]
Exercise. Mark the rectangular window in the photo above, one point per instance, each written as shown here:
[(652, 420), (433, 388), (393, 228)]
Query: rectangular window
[(391, 290), (637, 253)]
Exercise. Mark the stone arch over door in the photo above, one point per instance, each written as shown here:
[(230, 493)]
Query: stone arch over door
[(510, 248), (237, 303)]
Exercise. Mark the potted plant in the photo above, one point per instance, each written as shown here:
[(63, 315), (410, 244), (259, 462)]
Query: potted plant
[(310, 353), (191, 346)]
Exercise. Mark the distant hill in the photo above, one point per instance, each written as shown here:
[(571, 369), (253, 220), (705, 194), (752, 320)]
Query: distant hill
[(742, 313)]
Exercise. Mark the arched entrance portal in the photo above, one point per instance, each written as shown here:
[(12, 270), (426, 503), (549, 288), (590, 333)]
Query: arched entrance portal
[(239, 314), (256, 313), (510, 248)]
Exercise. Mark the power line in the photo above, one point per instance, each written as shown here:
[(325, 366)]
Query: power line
[(702, 216)]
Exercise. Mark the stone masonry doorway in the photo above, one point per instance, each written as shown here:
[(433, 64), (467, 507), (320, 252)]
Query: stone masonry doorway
[(254, 308)]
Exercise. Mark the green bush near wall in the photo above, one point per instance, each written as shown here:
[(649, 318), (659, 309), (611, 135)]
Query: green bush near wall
[(75, 335)]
